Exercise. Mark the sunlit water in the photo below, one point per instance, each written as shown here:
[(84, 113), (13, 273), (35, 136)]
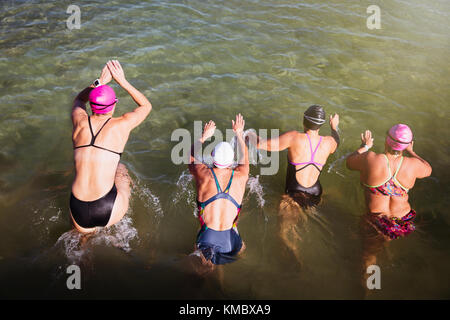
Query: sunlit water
[(202, 60)]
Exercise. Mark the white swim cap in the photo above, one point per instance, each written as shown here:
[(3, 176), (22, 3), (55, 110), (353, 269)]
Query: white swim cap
[(223, 155)]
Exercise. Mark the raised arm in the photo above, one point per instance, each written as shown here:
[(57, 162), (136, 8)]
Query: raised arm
[(208, 132), (79, 104), (355, 161), (334, 122), (134, 118), (423, 167), (275, 144), (238, 128)]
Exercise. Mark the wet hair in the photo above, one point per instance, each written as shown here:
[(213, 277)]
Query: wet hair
[(314, 117)]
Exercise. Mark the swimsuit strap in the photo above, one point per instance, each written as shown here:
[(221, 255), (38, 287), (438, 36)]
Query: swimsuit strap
[(220, 194), (389, 168), (396, 171), (219, 190), (310, 144), (391, 177), (92, 131), (217, 196), (313, 154), (227, 189), (307, 164), (95, 136), (395, 176), (398, 168)]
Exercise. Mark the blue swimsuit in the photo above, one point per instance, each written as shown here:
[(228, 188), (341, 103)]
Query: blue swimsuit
[(219, 246)]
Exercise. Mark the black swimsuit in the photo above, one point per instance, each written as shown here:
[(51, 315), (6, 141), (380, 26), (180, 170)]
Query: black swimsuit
[(305, 197), (90, 214), (292, 185)]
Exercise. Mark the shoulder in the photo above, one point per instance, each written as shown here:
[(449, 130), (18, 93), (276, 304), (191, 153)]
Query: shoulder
[(412, 162), (373, 156), (421, 167), (374, 159), (330, 143), (242, 171), (121, 123), (78, 115), (328, 140), (241, 176), (292, 135), (198, 169)]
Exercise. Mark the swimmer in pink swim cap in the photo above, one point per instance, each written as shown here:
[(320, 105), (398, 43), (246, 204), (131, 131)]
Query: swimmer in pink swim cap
[(101, 190), (102, 99), (399, 137), (386, 179)]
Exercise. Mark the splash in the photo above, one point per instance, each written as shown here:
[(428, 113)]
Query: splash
[(338, 163), (44, 219), (150, 200), (119, 235), (185, 192), (255, 187), (77, 246), (72, 246)]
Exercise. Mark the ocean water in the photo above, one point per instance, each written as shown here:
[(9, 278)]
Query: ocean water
[(206, 60)]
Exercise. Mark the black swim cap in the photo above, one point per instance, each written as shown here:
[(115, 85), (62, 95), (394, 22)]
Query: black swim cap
[(314, 117)]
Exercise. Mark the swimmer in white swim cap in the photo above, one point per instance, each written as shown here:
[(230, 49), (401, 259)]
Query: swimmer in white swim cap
[(223, 155), (220, 191)]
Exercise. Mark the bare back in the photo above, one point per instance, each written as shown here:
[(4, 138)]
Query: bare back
[(375, 172), (220, 214), (95, 168), (299, 151)]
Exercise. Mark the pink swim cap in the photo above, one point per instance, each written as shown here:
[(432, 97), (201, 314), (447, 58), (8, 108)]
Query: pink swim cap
[(399, 137), (102, 99)]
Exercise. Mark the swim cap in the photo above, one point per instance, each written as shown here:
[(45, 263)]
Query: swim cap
[(223, 155), (102, 99), (314, 117), (399, 137)]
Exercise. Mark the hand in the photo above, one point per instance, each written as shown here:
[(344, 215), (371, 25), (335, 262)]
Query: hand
[(116, 71), (409, 148), (334, 121), (208, 130), (238, 125), (106, 76), (367, 139)]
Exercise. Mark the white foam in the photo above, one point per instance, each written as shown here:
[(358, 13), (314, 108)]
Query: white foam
[(76, 245), (118, 235), (255, 187), (338, 163), (185, 191), (70, 241), (150, 200)]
